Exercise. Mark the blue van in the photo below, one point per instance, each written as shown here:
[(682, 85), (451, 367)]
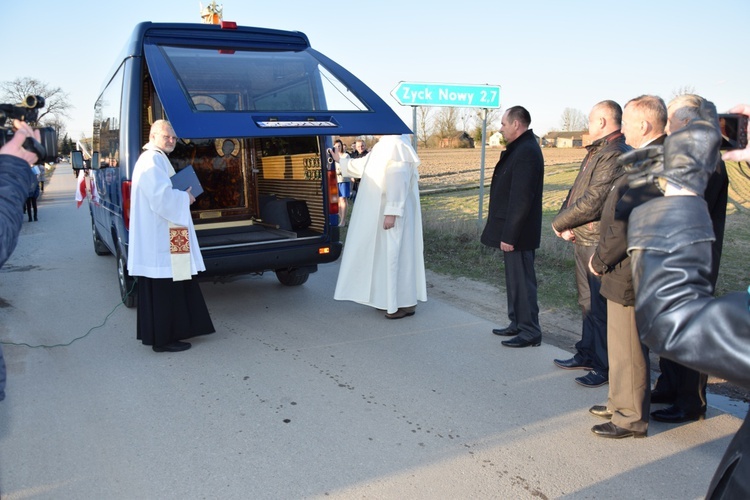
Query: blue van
[(255, 110)]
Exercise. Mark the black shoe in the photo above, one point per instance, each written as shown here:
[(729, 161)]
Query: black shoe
[(675, 415), (571, 364), (517, 341), (661, 397), (173, 347), (600, 411), (593, 379), (35, 219), (402, 312), (610, 430), (505, 332)]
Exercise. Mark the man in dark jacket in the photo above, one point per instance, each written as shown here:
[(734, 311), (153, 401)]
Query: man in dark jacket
[(514, 224), (627, 405), (669, 241), (15, 181), (578, 221), (683, 388)]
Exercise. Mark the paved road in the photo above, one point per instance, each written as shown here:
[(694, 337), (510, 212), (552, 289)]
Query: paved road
[(296, 396)]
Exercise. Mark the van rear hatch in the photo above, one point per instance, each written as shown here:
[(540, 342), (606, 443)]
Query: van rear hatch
[(252, 82), (254, 110)]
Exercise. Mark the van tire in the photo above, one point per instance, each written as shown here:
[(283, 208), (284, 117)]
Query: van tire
[(128, 291), (292, 277), (99, 247)]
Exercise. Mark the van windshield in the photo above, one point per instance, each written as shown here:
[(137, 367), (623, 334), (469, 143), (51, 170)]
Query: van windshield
[(241, 80)]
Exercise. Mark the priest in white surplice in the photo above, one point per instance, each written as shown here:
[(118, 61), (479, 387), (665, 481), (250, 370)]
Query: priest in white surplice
[(163, 250), (383, 261)]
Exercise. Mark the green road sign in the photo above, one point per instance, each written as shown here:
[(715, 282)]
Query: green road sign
[(446, 94)]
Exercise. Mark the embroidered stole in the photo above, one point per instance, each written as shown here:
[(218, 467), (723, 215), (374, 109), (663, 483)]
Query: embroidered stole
[(179, 246)]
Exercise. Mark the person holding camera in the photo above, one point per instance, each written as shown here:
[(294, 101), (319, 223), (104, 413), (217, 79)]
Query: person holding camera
[(670, 244), (15, 179)]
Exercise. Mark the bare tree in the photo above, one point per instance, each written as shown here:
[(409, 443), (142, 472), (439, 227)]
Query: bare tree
[(57, 103), (494, 115), (445, 122), (573, 120), (685, 89), (424, 126)]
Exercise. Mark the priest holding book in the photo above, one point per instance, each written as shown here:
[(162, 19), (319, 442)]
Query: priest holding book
[(163, 250)]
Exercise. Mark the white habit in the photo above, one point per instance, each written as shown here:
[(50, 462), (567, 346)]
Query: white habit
[(384, 268), (149, 246)]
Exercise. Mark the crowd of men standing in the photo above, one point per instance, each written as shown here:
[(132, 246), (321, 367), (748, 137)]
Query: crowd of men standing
[(594, 218)]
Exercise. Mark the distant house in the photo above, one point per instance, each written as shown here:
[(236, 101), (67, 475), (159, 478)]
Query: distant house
[(462, 140), (496, 140), (572, 139)]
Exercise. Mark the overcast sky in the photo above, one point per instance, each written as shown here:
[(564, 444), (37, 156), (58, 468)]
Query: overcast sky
[(546, 55)]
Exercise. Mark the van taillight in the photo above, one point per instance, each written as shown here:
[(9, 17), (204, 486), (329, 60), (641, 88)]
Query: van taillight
[(333, 195), (126, 203)]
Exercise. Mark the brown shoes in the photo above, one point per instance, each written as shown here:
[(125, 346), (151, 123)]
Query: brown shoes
[(402, 312)]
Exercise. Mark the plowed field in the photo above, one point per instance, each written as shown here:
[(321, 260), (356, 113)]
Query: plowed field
[(455, 168)]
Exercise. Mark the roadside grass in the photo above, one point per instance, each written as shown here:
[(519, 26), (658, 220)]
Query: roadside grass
[(452, 229)]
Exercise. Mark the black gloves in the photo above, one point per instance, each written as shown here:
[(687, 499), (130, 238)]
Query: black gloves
[(688, 158)]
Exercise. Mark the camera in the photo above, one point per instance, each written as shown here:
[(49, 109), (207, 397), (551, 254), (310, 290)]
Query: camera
[(733, 131), (28, 111)]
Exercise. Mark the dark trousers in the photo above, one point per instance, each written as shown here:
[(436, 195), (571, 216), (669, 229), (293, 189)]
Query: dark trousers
[(685, 385), (31, 207), (592, 348), (521, 290)]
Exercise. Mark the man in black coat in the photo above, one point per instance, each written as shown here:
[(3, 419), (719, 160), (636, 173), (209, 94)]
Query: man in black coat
[(682, 387), (514, 224), (643, 123)]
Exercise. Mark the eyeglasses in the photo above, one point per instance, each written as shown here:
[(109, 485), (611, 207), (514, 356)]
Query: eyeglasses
[(169, 137)]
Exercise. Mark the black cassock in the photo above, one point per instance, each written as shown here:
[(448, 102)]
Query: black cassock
[(170, 310)]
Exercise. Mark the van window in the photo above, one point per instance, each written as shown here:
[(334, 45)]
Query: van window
[(271, 81), (106, 137)]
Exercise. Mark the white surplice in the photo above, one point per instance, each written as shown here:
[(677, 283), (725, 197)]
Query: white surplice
[(384, 268), (153, 205)]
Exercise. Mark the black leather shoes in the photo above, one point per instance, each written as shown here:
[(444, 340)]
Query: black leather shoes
[(600, 411), (571, 364), (610, 430), (505, 332), (593, 379), (519, 342), (661, 397), (675, 415), (176, 346)]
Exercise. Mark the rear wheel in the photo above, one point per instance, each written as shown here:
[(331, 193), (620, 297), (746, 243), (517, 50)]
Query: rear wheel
[(99, 247), (128, 292), (292, 277)]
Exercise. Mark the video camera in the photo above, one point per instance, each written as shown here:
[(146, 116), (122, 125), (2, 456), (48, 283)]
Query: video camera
[(28, 111)]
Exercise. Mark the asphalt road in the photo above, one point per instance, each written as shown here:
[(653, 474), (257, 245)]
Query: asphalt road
[(296, 396)]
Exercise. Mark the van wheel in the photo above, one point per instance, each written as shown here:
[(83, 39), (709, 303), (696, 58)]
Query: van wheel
[(291, 277), (99, 247), (128, 293)]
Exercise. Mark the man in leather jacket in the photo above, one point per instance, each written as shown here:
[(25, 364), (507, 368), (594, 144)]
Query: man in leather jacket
[(578, 221), (669, 240)]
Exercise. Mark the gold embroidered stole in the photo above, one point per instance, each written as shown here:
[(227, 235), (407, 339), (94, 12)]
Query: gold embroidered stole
[(179, 246)]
